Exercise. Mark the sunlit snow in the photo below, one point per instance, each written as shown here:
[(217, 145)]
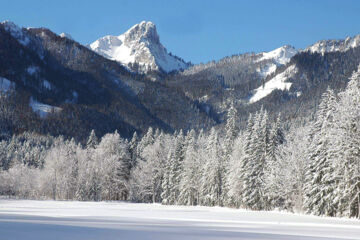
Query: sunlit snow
[(280, 55), (37, 220), (278, 82), (139, 44)]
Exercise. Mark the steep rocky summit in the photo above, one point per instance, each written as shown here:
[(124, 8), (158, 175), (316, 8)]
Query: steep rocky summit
[(140, 49)]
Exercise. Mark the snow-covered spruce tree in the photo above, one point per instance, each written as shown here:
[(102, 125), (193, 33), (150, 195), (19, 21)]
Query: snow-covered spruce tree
[(133, 149), (166, 184), (286, 177), (213, 170), (231, 132), (92, 141), (146, 140), (146, 179), (347, 133), (321, 180), (113, 161), (253, 164), (233, 177), (274, 166), (190, 176), (59, 178), (176, 167)]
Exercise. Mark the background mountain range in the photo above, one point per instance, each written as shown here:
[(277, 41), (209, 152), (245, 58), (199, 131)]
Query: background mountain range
[(51, 84)]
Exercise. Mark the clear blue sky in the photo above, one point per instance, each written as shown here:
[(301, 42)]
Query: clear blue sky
[(198, 31)]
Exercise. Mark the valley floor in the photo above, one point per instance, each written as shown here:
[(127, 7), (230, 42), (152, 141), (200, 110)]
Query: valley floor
[(30, 220)]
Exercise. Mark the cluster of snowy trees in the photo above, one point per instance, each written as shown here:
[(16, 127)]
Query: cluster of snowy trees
[(313, 168)]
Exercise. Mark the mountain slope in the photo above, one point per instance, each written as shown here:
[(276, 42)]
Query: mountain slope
[(140, 49), (92, 91)]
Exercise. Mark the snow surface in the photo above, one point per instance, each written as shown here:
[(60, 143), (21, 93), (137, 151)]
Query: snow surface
[(281, 55), (47, 85), (267, 70), (32, 70), (6, 85), (277, 82), (66, 35), (140, 44), (37, 220), (42, 109)]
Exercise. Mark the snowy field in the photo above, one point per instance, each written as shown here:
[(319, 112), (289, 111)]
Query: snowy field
[(30, 220)]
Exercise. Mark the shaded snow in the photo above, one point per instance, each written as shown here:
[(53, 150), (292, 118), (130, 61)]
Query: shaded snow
[(32, 70), (20, 219), (42, 109), (277, 82), (6, 85), (47, 85)]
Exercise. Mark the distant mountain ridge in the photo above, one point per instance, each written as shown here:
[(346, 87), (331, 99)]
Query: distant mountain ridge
[(334, 45)]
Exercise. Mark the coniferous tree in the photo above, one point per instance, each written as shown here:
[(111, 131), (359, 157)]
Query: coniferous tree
[(320, 177)]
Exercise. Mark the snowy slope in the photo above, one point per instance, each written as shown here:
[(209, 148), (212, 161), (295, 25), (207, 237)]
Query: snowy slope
[(334, 45), (275, 58), (20, 219), (42, 109), (278, 82), (140, 44), (281, 55)]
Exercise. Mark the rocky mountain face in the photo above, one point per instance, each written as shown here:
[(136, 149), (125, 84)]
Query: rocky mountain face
[(139, 49), (342, 45)]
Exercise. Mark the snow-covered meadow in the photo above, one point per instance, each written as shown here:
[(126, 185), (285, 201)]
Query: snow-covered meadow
[(24, 219)]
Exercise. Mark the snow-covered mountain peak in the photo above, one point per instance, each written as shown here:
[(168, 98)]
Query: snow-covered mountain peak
[(140, 47), (144, 31), (343, 45), (281, 55)]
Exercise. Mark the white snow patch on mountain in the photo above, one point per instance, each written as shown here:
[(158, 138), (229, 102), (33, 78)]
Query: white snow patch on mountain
[(277, 82), (42, 109), (140, 45), (16, 32), (6, 85), (343, 45), (281, 55), (32, 70), (66, 35), (47, 85)]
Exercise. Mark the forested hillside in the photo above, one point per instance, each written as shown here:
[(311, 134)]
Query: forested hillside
[(313, 167)]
